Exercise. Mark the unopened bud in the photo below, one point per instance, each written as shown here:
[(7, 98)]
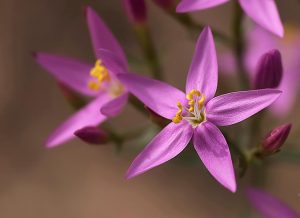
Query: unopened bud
[(92, 135), (136, 10), (167, 5), (269, 71), (275, 139)]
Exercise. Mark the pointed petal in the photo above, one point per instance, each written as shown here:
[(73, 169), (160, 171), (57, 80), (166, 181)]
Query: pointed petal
[(158, 96), (111, 62), (264, 13), (213, 150), (73, 73), (115, 106), (269, 206), (101, 36), (165, 146), (234, 107), (87, 116), (203, 72), (193, 5)]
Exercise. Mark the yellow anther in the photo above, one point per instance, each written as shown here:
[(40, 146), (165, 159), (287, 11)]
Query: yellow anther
[(201, 101), (191, 102), (179, 105), (191, 109), (177, 119), (95, 72), (190, 95), (100, 73), (98, 63), (93, 85)]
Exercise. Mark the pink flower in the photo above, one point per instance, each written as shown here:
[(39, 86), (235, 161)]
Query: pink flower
[(263, 12), (98, 81), (269, 206), (195, 115), (259, 42)]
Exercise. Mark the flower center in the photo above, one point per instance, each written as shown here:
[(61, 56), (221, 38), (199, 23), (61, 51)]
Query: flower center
[(195, 112), (100, 79), (99, 74)]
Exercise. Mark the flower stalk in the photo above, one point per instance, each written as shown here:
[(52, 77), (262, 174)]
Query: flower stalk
[(239, 46)]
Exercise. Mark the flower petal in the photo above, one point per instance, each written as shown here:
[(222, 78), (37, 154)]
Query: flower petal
[(213, 150), (193, 5), (264, 13), (158, 96), (203, 72), (87, 116), (111, 62), (165, 146), (101, 36), (234, 107), (115, 106), (71, 72), (269, 206)]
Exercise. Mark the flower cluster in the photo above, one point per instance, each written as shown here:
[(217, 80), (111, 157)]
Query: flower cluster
[(266, 66)]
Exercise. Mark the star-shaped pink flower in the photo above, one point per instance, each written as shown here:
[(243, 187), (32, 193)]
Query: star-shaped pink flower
[(98, 81), (195, 115)]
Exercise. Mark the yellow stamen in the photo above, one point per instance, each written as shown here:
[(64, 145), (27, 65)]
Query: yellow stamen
[(178, 117), (201, 101), (100, 73), (93, 85)]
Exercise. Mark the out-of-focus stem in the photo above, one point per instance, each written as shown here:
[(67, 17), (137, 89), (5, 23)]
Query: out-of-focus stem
[(138, 105), (146, 43), (239, 45), (189, 23)]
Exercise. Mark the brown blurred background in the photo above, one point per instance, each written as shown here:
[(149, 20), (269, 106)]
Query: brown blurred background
[(80, 181)]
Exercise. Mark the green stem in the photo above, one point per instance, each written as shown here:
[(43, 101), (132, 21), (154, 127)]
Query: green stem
[(145, 41), (120, 139), (189, 23), (137, 105), (291, 155), (239, 45)]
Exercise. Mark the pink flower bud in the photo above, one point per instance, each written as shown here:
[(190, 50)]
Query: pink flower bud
[(275, 139), (92, 135), (269, 71), (166, 4), (136, 10)]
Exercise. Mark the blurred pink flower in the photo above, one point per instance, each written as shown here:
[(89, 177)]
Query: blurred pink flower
[(268, 206), (98, 81), (258, 42), (263, 12), (195, 115)]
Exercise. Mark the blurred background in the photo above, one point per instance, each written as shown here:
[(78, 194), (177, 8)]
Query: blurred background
[(81, 181)]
